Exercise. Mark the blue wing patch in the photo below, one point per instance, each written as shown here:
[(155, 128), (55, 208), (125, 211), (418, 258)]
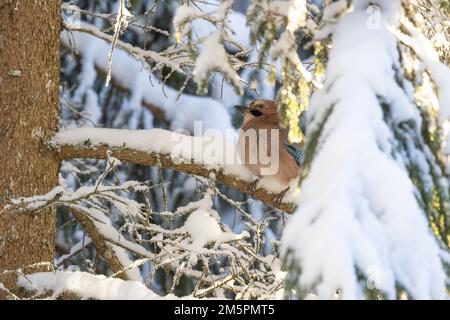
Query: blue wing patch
[(295, 152)]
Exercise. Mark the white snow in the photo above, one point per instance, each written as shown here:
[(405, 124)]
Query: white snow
[(330, 14), (204, 228), (183, 15), (92, 106), (105, 227), (121, 23), (333, 10), (131, 272), (119, 252), (296, 15), (202, 17), (286, 48), (224, 9), (76, 248), (212, 58), (236, 24), (102, 223), (213, 151), (88, 286), (129, 73), (438, 70), (357, 207)]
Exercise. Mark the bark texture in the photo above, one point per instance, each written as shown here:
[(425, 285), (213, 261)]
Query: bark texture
[(29, 115), (67, 152)]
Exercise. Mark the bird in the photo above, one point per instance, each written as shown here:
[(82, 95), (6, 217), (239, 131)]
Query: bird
[(260, 117)]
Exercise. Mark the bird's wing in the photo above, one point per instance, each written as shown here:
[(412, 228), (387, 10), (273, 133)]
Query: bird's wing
[(295, 151)]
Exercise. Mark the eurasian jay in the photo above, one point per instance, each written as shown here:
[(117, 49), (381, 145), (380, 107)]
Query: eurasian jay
[(261, 118)]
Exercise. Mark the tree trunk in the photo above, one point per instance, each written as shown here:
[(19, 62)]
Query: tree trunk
[(29, 114)]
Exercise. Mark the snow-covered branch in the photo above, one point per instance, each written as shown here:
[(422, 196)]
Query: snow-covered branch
[(110, 245), (204, 156), (187, 249), (86, 286), (86, 206), (130, 71), (140, 54)]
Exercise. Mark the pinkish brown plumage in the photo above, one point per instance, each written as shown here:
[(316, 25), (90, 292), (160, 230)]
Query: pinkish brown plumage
[(259, 116)]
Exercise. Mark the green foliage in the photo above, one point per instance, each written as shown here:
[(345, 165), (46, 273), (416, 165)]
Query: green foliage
[(445, 5), (412, 145), (293, 96)]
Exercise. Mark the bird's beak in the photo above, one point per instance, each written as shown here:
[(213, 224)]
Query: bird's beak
[(241, 108)]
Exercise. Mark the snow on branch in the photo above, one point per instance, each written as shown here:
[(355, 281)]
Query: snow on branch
[(87, 286), (121, 22), (138, 53), (439, 71), (110, 244), (212, 157), (131, 71), (191, 249), (213, 56), (275, 28), (85, 205)]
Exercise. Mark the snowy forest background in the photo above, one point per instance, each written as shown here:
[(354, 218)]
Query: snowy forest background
[(363, 85)]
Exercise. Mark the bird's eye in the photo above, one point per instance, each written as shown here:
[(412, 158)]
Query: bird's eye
[(256, 113), (260, 106)]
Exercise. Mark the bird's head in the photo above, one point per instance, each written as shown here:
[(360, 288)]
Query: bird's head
[(259, 109)]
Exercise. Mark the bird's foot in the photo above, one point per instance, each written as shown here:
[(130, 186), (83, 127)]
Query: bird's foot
[(278, 198), (252, 186)]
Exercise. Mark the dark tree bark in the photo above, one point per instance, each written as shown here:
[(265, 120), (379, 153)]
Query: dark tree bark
[(29, 113)]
